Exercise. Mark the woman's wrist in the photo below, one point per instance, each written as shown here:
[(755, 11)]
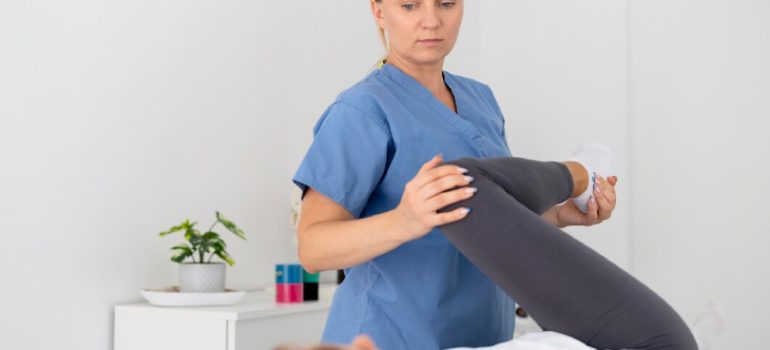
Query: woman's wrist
[(398, 227), (552, 216)]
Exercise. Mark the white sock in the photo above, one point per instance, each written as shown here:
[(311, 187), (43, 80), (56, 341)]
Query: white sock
[(595, 158), (708, 325)]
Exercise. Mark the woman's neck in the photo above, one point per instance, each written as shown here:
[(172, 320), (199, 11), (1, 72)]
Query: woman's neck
[(429, 76)]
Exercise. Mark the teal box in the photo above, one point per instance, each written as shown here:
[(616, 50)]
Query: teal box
[(308, 277), (288, 273)]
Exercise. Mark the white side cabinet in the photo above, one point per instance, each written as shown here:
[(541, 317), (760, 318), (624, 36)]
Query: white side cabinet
[(257, 322)]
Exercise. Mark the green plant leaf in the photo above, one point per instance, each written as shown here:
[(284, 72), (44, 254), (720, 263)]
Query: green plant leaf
[(219, 245), (188, 234), (224, 256), (194, 236), (181, 255), (184, 225), (231, 226), (210, 235), (182, 246)]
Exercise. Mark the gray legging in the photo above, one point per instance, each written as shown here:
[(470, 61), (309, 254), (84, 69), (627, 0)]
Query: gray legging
[(563, 284)]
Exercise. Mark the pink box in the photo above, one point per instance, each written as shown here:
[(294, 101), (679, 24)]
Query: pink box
[(288, 292)]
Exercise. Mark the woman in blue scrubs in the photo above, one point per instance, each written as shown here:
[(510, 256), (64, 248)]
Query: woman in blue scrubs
[(372, 194)]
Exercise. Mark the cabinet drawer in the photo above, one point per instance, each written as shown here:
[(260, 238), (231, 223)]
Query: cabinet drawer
[(162, 332), (265, 333)]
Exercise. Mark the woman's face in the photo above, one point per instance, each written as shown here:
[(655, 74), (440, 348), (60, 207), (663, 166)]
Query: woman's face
[(419, 31)]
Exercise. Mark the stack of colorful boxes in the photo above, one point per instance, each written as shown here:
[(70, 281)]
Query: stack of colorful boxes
[(288, 283), (294, 285)]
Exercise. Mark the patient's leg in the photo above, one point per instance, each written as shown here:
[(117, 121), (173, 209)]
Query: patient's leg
[(566, 286)]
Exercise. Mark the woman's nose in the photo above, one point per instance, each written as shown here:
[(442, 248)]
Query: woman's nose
[(430, 19)]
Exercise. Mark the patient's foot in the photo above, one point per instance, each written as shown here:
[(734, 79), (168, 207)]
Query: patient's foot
[(593, 158)]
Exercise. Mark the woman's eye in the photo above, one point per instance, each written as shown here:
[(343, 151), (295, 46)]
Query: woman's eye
[(446, 4), (409, 6)]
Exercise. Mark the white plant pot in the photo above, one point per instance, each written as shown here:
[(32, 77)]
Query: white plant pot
[(202, 278)]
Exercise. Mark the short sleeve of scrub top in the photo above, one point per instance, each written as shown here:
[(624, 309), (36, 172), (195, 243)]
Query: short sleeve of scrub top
[(347, 157)]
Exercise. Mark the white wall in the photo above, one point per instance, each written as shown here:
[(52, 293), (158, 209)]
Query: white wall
[(120, 119), (558, 70), (700, 115), (681, 91)]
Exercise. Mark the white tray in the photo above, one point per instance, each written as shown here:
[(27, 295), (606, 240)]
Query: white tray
[(171, 296)]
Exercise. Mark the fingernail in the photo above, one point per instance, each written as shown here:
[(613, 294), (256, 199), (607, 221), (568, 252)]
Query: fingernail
[(471, 189), (467, 210), (462, 170), (468, 178)]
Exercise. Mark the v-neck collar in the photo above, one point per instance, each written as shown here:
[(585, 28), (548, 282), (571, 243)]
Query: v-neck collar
[(418, 89), (462, 124)]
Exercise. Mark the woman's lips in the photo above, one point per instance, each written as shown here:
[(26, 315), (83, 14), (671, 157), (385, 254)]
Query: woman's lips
[(430, 42)]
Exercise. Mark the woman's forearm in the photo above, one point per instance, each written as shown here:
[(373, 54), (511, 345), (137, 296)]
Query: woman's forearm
[(332, 245)]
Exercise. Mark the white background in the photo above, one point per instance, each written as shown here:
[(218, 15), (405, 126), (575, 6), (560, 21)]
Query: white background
[(120, 119)]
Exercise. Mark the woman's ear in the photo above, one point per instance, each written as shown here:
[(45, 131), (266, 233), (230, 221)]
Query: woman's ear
[(377, 13)]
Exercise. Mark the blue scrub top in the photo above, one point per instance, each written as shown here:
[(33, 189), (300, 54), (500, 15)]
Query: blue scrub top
[(367, 145)]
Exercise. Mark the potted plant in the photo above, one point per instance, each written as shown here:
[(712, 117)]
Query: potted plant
[(200, 274)]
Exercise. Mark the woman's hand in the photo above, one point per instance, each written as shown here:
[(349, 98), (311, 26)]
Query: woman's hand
[(600, 207), (425, 194)]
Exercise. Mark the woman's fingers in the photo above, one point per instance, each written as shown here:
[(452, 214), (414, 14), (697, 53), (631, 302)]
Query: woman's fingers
[(604, 212), (436, 160), (420, 178), (607, 185), (592, 216), (443, 184), (605, 195), (429, 191), (603, 206), (446, 198), (450, 216), (430, 173), (608, 192)]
